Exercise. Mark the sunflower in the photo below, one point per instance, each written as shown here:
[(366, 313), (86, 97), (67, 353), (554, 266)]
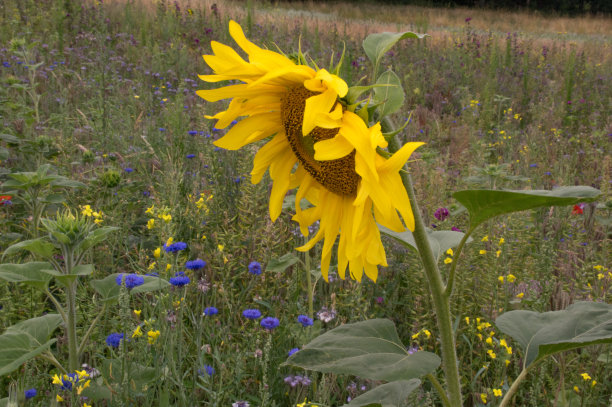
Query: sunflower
[(316, 145)]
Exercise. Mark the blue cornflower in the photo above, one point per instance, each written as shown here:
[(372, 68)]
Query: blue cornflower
[(209, 370), (190, 155), (162, 129), (130, 280), (211, 311), (30, 393), (255, 268), (251, 313), (6, 64), (192, 132), (195, 264), (128, 169), (293, 351), (533, 165), (114, 339), (269, 323), (304, 320), (179, 279), (175, 247), (154, 274)]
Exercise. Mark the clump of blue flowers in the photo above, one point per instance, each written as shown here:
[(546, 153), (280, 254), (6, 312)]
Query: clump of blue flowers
[(210, 311), (195, 264), (255, 268), (304, 320), (293, 351), (175, 247), (30, 393), (251, 313), (130, 280), (114, 339), (269, 323), (179, 279)]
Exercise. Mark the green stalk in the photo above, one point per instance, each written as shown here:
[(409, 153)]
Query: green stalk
[(73, 355), (90, 329), (436, 286), (515, 385)]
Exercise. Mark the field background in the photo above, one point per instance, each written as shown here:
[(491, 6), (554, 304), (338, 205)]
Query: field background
[(503, 99)]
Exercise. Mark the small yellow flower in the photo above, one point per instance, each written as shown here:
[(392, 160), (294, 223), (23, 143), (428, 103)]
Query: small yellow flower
[(497, 392), (57, 380), (83, 387), (576, 389), (585, 376), (203, 237), (86, 210), (86, 405), (220, 247), (302, 404), (483, 252), (502, 241), (166, 217), (152, 336), (509, 350), (511, 278), (150, 209), (136, 97), (500, 279), (520, 295), (450, 252), (157, 253), (485, 239), (137, 332), (491, 354), (507, 362), (502, 342), (497, 253), (416, 335), (479, 336), (483, 397), (83, 373), (593, 383), (598, 267), (152, 266), (225, 260), (151, 223), (489, 341), (98, 221), (448, 260), (137, 312), (169, 241), (168, 267), (467, 320), (427, 333), (600, 276), (58, 398)]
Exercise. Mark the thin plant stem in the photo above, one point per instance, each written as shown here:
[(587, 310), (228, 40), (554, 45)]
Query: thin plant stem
[(439, 389), (436, 286), (48, 356), (448, 291), (90, 329), (58, 306), (515, 385)]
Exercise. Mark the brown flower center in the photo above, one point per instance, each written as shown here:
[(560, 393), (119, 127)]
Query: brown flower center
[(337, 176)]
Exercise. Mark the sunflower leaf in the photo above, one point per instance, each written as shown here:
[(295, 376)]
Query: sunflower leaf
[(109, 289), (282, 263), (370, 349), (484, 204), (439, 240), (391, 97), (32, 273), (377, 45), (542, 334), (392, 394)]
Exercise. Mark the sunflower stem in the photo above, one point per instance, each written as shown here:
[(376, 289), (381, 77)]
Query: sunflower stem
[(441, 302)]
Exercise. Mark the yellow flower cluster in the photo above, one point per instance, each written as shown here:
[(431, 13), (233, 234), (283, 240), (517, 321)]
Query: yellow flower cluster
[(202, 203), (152, 336), (162, 214), (80, 378), (88, 212), (422, 331)]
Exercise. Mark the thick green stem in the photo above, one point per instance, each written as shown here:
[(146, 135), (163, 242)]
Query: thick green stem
[(515, 385), (436, 286), (73, 357), (439, 389)]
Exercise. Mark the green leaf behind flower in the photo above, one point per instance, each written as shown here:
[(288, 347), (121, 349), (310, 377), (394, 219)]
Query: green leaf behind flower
[(109, 289), (392, 394), (370, 349), (390, 97), (484, 204), (33, 273), (376, 45), (282, 263), (542, 334), (439, 240)]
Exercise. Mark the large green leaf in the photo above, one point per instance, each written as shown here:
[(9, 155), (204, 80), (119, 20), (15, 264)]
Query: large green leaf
[(26, 340), (440, 240), (370, 349), (483, 204), (376, 45), (33, 273), (109, 289), (542, 334), (391, 97), (67, 279), (282, 263), (38, 246), (97, 236), (392, 394)]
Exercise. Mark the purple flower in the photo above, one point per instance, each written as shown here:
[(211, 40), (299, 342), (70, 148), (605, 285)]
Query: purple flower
[(195, 264), (304, 320), (30, 393), (441, 214), (455, 229), (269, 323), (209, 370), (175, 247), (114, 339), (128, 169), (190, 155), (179, 279), (130, 280), (255, 268), (293, 351), (211, 311), (192, 132), (251, 313)]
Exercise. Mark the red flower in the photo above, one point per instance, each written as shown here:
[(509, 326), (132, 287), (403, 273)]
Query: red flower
[(4, 199), (577, 210)]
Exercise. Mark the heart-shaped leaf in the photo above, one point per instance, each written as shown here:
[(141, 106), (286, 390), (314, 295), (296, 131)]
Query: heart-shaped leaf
[(484, 204), (282, 263), (439, 240), (370, 349), (97, 236), (376, 45), (109, 289), (39, 246), (390, 95), (26, 340), (542, 334), (33, 273), (392, 394)]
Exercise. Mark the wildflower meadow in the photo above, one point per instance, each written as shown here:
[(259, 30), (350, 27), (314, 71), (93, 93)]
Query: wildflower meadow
[(268, 204)]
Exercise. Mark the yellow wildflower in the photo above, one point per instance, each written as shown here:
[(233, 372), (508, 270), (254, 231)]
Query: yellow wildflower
[(520, 295), (489, 341), (58, 398), (137, 332), (157, 253), (500, 279), (57, 380), (497, 392), (152, 266), (169, 241), (168, 267), (485, 239), (483, 252), (151, 223), (152, 336), (450, 252), (598, 267), (491, 354), (467, 320), (137, 312), (507, 362), (448, 260), (86, 210), (497, 253), (427, 333), (502, 342), (501, 241), (483, 397), (220, 247), (166, 217), (585, 376), (593, 383), (511, 278), (576, 389)]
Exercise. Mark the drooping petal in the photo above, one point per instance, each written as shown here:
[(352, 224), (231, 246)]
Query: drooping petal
[(250, 130)]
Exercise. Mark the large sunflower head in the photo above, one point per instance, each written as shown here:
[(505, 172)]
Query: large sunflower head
[(316, 144)]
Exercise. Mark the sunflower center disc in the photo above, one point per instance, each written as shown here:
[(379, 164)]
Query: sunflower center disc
[(337, 176)]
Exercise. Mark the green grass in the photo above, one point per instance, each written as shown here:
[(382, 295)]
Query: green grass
[(116, 90)]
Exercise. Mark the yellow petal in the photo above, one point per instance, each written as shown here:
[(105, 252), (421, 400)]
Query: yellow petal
[(332, 149), (397, 160), (316, 106), (267, 154), (250, 130)]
